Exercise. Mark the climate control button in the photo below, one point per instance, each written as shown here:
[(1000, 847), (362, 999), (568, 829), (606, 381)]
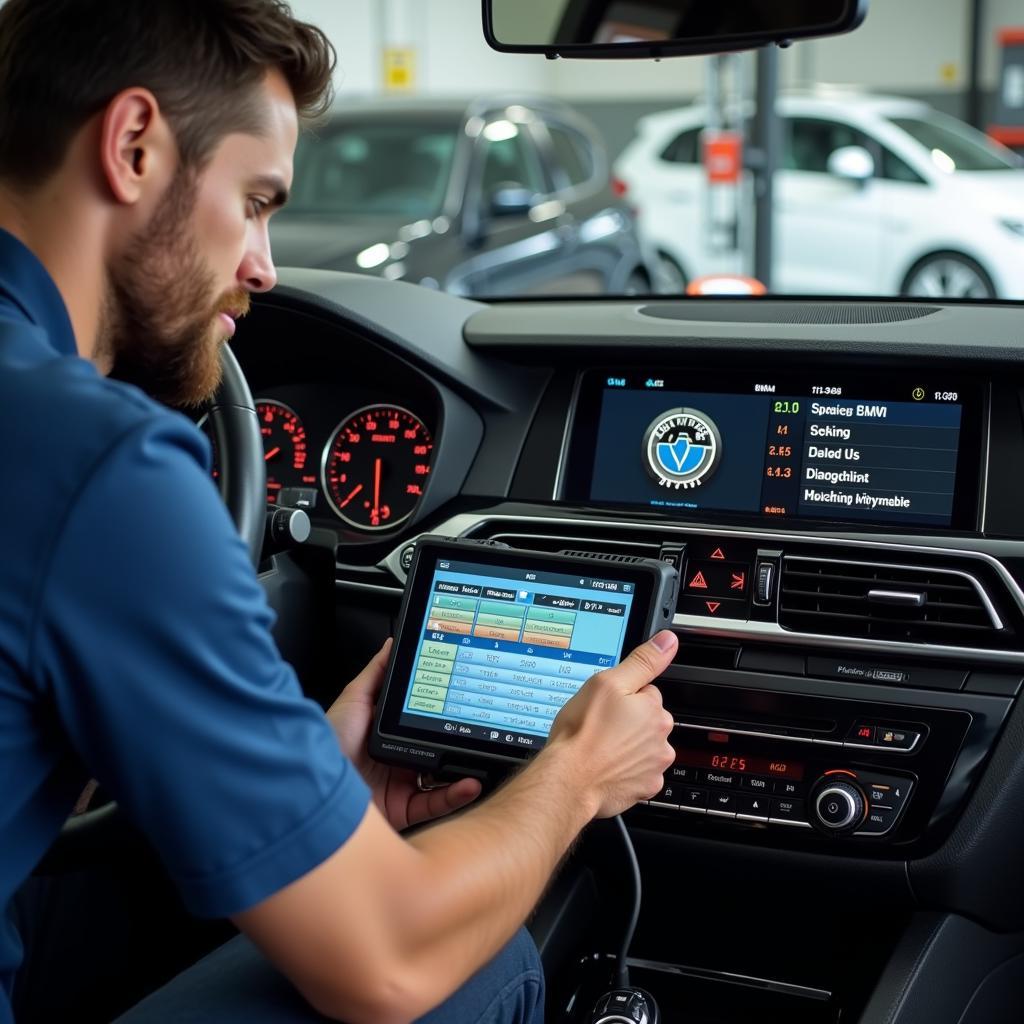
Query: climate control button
[(838, 806)]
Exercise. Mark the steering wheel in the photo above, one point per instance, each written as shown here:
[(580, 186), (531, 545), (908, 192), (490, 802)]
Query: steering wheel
[(243, 486), (243, 471)]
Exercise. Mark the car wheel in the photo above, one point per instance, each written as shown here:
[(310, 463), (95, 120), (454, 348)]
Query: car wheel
[(669, 277), (948, 275), (638, 283)]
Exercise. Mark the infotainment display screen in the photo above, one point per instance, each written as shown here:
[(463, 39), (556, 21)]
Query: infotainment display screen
[(885, 450)]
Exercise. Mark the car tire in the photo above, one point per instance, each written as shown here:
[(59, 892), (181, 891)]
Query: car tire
[(948, 275), (669, 277), (638, 283)]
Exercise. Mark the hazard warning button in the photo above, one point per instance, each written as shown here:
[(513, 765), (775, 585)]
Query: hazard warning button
[(692, 603)]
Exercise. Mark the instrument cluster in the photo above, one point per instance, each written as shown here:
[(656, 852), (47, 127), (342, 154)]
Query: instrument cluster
[(367, 469)]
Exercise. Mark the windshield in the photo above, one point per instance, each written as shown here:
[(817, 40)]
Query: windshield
[(360, 170), (955, 147), (511, 175)]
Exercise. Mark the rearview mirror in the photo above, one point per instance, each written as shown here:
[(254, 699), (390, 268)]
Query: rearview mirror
[(660, 28)]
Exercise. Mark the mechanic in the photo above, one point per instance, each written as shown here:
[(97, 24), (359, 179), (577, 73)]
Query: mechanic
[(143, 146)]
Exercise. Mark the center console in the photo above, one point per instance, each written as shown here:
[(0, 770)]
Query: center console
[(851, 639)]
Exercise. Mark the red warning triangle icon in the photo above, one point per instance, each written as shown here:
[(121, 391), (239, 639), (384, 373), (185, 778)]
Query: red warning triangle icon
[(718, 553), (713, 606), (698, 582)]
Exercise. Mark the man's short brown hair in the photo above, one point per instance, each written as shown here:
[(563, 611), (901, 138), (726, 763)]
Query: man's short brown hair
[(62, 61)]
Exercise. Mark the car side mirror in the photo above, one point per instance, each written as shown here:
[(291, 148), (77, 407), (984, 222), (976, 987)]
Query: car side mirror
[(511, 200), (854, 163)]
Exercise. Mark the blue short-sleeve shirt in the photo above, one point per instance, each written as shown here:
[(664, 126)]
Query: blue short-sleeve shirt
[(135, 641)]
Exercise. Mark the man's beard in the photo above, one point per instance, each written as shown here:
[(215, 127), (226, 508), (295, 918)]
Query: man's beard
[(159, 323)]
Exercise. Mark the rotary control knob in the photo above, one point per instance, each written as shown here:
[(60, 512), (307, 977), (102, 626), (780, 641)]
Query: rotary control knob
[(286, 528), (838, 806)]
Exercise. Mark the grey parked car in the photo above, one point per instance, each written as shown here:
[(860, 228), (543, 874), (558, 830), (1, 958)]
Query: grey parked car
[(499, 197)]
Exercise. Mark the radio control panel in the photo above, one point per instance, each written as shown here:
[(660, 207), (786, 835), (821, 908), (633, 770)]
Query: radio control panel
[(837, 801), (809, 770)]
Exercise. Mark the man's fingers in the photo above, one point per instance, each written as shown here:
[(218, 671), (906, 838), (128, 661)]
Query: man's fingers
[(645, 663), (437, 802), (368, 683)]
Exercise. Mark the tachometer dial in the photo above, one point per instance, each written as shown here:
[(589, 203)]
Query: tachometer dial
[(284, 448), (375, 466)]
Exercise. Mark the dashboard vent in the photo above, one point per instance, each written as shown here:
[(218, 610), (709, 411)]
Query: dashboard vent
[(916, 604), (760, 311)]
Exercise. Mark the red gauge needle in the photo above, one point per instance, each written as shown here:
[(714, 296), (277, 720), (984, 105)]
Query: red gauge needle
[(355, 491), (376, 487), (271, 454)]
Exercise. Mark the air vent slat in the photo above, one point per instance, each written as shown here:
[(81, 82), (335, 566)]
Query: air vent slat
[(864, 619), (831, 596), (609, 549), (881, 578)]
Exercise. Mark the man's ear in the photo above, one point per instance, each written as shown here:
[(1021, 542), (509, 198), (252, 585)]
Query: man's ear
[(137, 149)]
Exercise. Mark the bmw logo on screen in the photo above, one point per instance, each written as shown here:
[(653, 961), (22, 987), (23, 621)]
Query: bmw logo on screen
[(682, 448)]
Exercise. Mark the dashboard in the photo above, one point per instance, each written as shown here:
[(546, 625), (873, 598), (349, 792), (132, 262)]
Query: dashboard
[(838, 483)]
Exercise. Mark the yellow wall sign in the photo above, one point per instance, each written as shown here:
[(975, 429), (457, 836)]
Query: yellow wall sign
[(399, 68)]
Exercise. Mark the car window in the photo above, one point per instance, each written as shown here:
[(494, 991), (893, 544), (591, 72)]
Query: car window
[(683, 149), (956, 149), (373, 169), (572, 153), (894, 168), (510, 160), (683, 212), (810, 141)]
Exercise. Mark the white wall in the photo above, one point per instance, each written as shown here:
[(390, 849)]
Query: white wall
[(903, 46), (451, 56), (352, 25)]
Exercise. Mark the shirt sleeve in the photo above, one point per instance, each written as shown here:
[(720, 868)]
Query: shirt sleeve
[(152, 640)]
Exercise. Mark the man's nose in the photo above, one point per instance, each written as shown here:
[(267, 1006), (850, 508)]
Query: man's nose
[(257, 272)]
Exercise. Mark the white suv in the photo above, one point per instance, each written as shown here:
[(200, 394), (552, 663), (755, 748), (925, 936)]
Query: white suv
[(875, 195)]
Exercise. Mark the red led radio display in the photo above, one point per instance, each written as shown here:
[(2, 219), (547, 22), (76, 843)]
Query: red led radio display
[(727, 761)]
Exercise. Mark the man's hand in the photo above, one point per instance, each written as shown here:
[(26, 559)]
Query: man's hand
[(394, 789), (615, 730)]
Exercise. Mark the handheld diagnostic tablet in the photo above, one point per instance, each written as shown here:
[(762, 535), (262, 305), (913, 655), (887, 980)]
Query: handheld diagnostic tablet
[(491, 643)]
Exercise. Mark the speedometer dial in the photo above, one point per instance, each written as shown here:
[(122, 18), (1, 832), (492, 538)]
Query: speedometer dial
[(375, 466), (284, 448)]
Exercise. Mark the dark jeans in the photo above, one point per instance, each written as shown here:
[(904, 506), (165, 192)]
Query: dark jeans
[(235, 983)]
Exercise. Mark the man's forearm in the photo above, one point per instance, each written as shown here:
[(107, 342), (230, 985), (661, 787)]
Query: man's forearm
[(488, 867)]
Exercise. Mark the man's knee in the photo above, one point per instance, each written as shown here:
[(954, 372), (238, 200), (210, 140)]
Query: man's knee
[(508, 990), (523, 951)]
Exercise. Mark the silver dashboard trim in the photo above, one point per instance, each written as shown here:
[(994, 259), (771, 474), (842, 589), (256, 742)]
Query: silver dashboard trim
[(774, 633), (563, 454), (742, 732), (985, 463), (748, 980), (849, 745)]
